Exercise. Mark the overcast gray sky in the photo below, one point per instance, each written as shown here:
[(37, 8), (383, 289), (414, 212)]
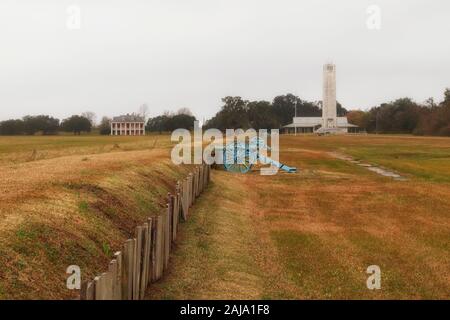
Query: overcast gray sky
[(191, 53)]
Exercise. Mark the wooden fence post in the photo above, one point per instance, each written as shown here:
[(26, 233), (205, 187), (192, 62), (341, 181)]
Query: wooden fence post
[(138, 262), (167, 236), (184, 200), (109, 280), (191, 191), (170, 203), (144, 261), (202, 175), (161, 246), (188, 190), (118, 278), (112, 279), (150, 250), (198, 182), (188, 194), (128, 269), (158, 249), (98, 288), (153, 253), (103, 286), (87, 291), (175, 216), (163, 253)]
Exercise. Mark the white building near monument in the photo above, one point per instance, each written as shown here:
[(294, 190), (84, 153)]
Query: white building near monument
[(329, 122)]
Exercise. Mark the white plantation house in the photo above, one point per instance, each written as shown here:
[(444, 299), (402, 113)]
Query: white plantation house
[(329, 122), (128, 125)]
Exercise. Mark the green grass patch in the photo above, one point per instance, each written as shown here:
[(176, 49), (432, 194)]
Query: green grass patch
[(83, 206), (106, 249), (423, 162), (310, 266)]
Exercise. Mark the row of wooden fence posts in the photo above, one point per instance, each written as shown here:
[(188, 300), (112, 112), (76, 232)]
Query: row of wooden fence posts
[(144, 258)]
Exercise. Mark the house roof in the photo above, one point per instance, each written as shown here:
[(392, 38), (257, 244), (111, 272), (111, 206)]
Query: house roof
[(128, 118), (307, 121)]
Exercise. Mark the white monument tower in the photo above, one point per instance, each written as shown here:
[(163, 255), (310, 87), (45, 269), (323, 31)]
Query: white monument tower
[(329, 114), (329, 123)]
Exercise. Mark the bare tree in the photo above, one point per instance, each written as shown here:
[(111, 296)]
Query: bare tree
[(91, 116), (105, 126), (168, 113), (185, 111), (429, 103)]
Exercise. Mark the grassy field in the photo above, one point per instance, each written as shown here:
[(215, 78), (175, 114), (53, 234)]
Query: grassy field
[(313, 234), (20, 149), (74, 200)]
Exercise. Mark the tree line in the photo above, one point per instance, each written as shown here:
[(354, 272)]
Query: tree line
[(406, 116), (400, 116), (169, 121), (77, 124), (239, 113), (46, 125)]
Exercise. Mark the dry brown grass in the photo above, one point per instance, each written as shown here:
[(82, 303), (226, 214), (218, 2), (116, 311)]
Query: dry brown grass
[(75, 209), (305, 235), (314, 233), (19, 149), (222, 252)]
